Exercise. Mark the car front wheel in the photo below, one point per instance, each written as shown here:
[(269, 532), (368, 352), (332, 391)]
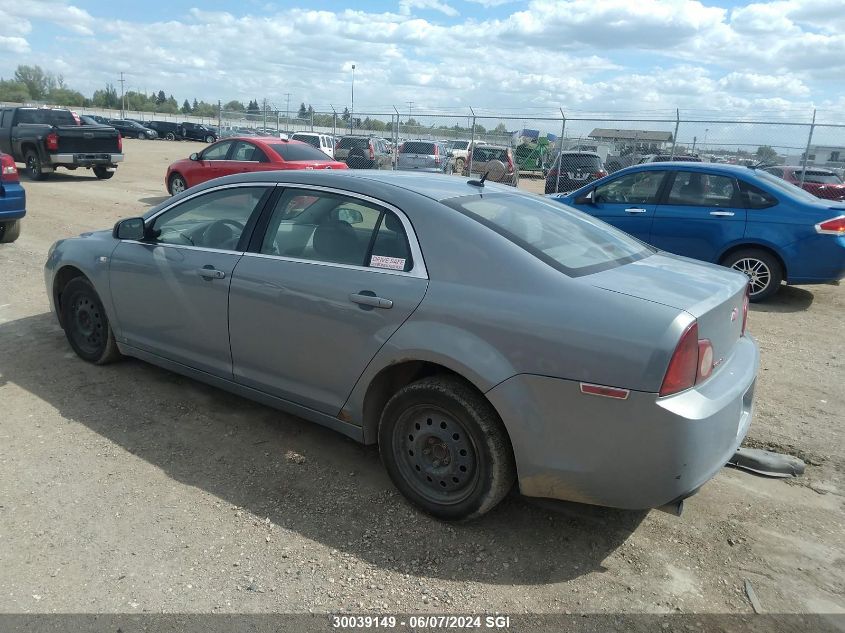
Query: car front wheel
[(446, 449), (763, 270), (177, 184), (86, 325)]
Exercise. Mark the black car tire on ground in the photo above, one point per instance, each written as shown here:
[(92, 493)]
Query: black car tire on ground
[(9, 231), (103, 173), (209, 139), (86, 325), (446, 449), (173, 183), (33, 166), (170, 136), (763, 269)]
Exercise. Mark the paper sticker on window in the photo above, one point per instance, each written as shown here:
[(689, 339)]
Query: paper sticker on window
[(393, 263)]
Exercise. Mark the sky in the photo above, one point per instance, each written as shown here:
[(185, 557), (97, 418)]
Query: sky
[(777, 59)]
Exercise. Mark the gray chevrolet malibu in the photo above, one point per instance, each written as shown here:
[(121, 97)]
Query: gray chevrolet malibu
[(479, 335)]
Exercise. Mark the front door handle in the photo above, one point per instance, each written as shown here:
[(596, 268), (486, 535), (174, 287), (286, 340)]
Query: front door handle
[(366, 298), (207, 272), (723, 214), (635, 210)]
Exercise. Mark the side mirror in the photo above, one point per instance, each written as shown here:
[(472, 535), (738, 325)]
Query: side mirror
[(194, 156), (587, 198), (350, 216), (129, 229)]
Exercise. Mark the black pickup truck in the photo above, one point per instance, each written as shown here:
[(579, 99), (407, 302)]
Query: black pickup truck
[(48, 138)]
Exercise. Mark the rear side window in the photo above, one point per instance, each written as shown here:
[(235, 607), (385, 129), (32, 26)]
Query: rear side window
[(45, 116), (756, 198), (694, 188), (417, 147), (484, 154), (312, 140), (572, 242), (297, 151), (638, 188)]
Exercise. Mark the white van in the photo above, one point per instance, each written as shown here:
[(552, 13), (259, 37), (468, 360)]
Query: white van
[(323, 142)]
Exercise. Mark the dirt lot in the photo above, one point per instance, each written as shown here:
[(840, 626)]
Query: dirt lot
[(129, 489)]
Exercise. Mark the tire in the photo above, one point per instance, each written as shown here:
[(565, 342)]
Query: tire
[(34, 168), (446, 449), (176, 184), (103, 173), (10, 231), (764, 271), (170, 136), (459, 165), (86, 325), (209, 139)]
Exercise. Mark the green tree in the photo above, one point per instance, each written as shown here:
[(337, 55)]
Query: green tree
[(345, 116), (37, 82), (500, 129), (234, 106), (186, 107), (106, 98), (66, 97), (303, 111), (195, 105), (161, 97), (766, 154), (253, 108), (14, 91)]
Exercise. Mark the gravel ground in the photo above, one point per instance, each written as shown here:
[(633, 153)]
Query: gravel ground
[(130, 489)]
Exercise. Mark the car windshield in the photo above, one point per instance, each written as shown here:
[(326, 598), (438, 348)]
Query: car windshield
[(297, 151), (348, 142), (417, 147), (568, 240), (819, 177), (785, 187), (459, 145), (579, 161)]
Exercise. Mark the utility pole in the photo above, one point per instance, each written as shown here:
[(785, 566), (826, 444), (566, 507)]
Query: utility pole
[(219, 117), (410, 107), (264, 111), (122, 100), (287, 112), (352, 114)]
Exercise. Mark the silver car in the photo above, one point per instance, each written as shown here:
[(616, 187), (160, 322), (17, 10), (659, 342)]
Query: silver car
[(480, 335), (427, 156)]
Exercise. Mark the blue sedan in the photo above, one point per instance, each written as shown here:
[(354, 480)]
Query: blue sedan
[(740, 217), (12, 200)]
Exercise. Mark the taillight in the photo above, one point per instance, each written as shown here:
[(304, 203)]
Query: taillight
[(745, 301), (683, 367), (8, 171), (436, 155), (705, 360), (510, 163), (372, 152), (601, 173), (119, 142), (834, 226), (52, 142)]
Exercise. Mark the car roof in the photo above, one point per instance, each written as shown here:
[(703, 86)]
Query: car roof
[(715, 168), (580, 153)]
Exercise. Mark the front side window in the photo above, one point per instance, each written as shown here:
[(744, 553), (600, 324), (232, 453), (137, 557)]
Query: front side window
[(218, 151), (572, 242), (694, 188), (338, 229), (212, 220), (640, 187)]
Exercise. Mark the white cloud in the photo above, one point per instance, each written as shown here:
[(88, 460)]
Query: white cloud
[(407, 6)]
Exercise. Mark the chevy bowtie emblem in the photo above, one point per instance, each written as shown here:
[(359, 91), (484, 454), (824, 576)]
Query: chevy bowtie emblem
[(734, 314)]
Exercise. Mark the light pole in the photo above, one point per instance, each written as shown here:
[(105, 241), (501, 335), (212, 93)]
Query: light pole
[(704, 143), (352, 113)]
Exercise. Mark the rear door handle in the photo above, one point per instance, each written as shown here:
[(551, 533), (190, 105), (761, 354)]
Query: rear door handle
[(635, 210), (723, 214), (363, 298), (208, 272)]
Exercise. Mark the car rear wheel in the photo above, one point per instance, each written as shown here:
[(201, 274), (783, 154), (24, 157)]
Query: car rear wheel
[(10, 231), (209, 139), (176, 184), (86, 325), (446, 449), (170, 136), (459, 165), (762, 268), (103, 173), (33, 166)]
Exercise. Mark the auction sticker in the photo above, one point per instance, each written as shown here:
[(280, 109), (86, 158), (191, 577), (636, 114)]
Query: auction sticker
[(393, 263)]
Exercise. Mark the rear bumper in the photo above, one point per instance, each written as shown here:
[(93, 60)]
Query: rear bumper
[(815, 259), (643, 452), (12, 201), (86, 160)]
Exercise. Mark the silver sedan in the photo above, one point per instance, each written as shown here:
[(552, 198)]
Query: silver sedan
[(480, 335)]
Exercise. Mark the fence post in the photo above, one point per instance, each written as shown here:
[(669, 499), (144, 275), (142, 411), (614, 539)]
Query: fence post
[(264, 112), (396, 145), (312, 120), (560, 154), (334, 121), (807, 149), (219, 117), (675, 135), (471, 144)]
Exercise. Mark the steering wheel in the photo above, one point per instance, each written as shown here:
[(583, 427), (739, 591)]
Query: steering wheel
[(215, 226)]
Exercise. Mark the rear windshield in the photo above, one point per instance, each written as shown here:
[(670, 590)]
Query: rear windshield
[(459, 144), (483, 154), (819, 177), (579, 161), (417, 147), (46, 116), (297, 151), (568, 240), (348, 142), (311, 139)]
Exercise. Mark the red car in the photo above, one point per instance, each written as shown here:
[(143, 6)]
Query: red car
[(236, 155), (822, 183)]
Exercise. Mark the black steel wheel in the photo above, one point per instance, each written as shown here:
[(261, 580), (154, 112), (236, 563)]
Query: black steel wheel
[(446, 449), (34, 168), (85, 322)]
